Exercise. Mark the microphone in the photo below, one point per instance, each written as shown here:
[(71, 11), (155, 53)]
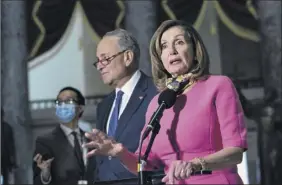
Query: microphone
[(166, 100)]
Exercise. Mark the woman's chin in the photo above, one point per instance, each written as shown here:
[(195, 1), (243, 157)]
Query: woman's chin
[(178, 70), (177, 73)]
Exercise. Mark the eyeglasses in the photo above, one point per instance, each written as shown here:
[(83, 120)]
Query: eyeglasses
[(69, 101), (108, 60)]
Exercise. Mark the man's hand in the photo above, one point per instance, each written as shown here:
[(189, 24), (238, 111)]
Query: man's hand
[(101, 144), (44, 166)]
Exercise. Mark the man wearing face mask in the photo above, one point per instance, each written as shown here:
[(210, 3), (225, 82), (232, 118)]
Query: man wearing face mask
[(59, 157)]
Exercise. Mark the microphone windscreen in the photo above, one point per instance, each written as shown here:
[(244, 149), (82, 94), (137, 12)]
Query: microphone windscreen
[(168, 97)]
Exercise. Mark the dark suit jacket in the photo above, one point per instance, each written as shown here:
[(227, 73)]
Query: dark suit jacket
[(7, 150), (129, 127), (65, 168)]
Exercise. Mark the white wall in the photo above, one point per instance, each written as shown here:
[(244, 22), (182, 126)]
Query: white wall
[(69, 62), (91, 76)]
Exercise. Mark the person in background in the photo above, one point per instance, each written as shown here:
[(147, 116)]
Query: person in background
[(121, 115), (204, 130), (58, 156), (8, 154)]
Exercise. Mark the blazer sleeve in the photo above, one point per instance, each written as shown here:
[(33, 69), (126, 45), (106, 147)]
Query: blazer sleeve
[(230, 115), (41, 147)]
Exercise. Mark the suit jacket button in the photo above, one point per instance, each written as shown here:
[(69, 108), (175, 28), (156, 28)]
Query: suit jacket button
[(110, 157)]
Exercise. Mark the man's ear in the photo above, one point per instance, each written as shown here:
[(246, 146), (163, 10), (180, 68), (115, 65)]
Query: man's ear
[(80, 109), (128, 57)]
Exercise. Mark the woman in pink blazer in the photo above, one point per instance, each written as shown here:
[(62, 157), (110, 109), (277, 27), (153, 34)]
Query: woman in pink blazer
[(204, 130)]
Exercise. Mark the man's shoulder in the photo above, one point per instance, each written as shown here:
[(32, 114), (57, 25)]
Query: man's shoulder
[(47, 136), (150, 83), (149, 79), (144, 75), (107, 98)]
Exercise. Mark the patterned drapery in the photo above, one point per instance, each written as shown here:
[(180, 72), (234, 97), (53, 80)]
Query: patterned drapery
[(237, 27), (49, 19), (238, 30)]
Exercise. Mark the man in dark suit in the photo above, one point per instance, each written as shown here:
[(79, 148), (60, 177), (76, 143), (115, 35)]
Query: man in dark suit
[(122, 113), (8, 156), (59, 157)]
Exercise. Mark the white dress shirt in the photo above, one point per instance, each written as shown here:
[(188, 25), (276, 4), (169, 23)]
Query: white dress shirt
[(67, 131), (81, 139), (127, 89)]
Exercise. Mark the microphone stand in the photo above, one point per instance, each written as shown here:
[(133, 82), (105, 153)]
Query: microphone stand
[(142, 175)]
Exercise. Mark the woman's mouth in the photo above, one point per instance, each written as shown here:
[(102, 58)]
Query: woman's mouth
[(175, 61)]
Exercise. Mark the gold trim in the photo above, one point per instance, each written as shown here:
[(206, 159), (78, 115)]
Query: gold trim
[(45, 57), (121, 13), (167, 10), (197, 24), (213, 28), (41, 28), (235, 28), (251, 8), (93, 34)]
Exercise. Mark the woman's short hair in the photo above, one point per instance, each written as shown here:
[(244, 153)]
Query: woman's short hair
[(201, 58)]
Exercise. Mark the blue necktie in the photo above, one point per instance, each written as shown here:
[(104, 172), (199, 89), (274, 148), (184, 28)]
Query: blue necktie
[(114, 117)]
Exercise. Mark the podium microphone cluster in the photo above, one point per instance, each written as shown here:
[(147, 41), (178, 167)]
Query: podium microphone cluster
[(166, 100)]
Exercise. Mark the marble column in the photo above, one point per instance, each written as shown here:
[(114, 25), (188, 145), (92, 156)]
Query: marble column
[(140, 20), (270, 26), (14, 85)]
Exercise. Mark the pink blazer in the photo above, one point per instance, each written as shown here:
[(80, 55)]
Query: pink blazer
[(203, 121)]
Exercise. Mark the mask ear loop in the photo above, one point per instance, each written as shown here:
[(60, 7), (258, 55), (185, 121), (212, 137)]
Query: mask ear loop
[(82, 108)]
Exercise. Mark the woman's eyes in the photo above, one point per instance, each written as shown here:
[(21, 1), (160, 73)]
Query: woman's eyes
[(163, 46), (181, 42)]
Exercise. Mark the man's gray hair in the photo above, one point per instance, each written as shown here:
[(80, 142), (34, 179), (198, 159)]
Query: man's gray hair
[(126, 42)]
